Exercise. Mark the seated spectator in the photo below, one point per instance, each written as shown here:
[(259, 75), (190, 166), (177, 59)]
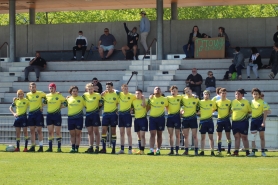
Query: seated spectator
[(275, 36), (189, 47), (274, 61), (205, 36), (97, 85), (80, 44), (222, 33), (132, 38), (238, 64), (194, 81), (210, 82), (37, 64), (255, 61), (106, 42)]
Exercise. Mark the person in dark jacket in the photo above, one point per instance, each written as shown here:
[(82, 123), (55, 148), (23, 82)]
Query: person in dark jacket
[(274, 61), (255, 62), (222, 33), (194, 81), (97, 85), (132, 38), (80, 44), (238, 64), (275, 36), (210, 82), (189, 47), (37, 64)]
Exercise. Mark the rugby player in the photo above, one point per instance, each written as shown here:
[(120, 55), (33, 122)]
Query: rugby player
[(156, 105), (92, 122), (174, 119), (125, 119), (35, 116), (141, 121), (54, 102), (75, 106), (21, 104), (258, 121), (110, 116), (240, 120), (206, 107), (223, 121), (189, 119)]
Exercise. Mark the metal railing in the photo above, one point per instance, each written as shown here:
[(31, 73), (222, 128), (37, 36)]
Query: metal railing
[(7, 48)]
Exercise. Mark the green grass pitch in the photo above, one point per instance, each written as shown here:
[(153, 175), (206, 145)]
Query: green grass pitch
[(81, 168)]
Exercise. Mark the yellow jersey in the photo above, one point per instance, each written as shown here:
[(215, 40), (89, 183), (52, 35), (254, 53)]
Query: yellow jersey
[(35, 101), (139, 110), (75, 107), (21, 106), (206, 109), (258, 107), (241, 109), (189, 106), (92, 102), (157, 106), (125, 102), (174, 104), (54, 102), (223, 108), (111, 101)]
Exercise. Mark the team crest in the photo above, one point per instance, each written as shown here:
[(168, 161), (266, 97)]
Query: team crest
[(227, 105), (78, 101), (178, 99), (23, 103), (194, 103), (114, 98), (57, 98), (37, 96), (94, 98), (242, 104), (162, 102), (128, 98), (210, 104)]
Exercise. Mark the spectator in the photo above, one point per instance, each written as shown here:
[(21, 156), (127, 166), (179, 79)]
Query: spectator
[(274, 61), (190, 44), (97, 85), (132, 38), (210, 82), (145, 27), (37, 64), (194, 81), (222, 33), (238, 63), (275, 36), (80, 44), (255, 61), (106, 43), (205, 36)]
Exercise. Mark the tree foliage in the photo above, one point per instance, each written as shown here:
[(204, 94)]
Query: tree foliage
[(201, 12)]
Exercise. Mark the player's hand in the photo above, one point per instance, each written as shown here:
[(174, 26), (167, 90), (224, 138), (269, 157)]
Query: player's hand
[(263, 125), (182, 112), (15, 115)]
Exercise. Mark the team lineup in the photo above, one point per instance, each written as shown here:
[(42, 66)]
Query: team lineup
[(118, 107)]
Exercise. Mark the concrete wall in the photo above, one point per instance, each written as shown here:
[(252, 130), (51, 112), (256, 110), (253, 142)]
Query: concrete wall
[(242, 32)]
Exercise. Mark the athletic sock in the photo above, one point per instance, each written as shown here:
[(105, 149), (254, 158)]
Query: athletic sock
[(17, 142), (142, 148), (122, 147), (103, 140), (196, 149), (263, 150), (26, 141), (172, 149), (219, 144), (130, 148), (177, 149), (76, 147), (73, 146), (229, 145), (59, 140), (114, 138), (186, 149), (97, 148), (139, 143), (41, 143), (254, 150), (50, 142), (247, 151)]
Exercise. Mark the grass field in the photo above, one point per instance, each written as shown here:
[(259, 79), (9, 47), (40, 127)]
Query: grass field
[(81, 168)]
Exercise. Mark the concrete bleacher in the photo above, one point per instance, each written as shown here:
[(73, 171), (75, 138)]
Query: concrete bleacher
[(151, 73)]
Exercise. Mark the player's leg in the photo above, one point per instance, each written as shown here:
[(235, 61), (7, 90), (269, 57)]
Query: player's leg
[(245, 142), (124, 48), (237, 143), (211, 143), (72, 140), (77, 139), (122, 133), (91, 139), (160, 126), (203, 140), (97, 138), (177, 133), (219, 129), (229, 141), (195, 139), (58, 137), (33, 137), (152, 141), (103, 138), (143, 142), (171, 139), (129, 137), (262, 137), (17, 133), (40, 137), (159, 141), (50, 128), (113, 139), (26, 138), (185, 133)]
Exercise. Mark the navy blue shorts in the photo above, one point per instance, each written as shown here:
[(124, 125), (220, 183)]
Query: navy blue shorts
[(174, 121), (36, 120), (125, 120), (92, 120), (157, 123), (256, 125), (76, 123), (241, 127), (141, 124), (189, 123), (110, 119), (206, 126), (54, 119), (223, 125), (20, 121)]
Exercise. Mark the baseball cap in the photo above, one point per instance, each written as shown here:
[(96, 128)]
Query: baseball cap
[(143, 12), (242, 91), (52, 85)]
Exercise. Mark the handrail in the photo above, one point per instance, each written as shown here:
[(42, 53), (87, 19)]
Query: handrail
[(7, 47), (154, 40)]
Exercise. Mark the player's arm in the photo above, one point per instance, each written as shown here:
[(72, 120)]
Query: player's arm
[(12, 111), (264, 118), (144, 101)]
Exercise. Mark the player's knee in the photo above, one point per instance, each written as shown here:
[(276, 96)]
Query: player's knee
[(254, 136)]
